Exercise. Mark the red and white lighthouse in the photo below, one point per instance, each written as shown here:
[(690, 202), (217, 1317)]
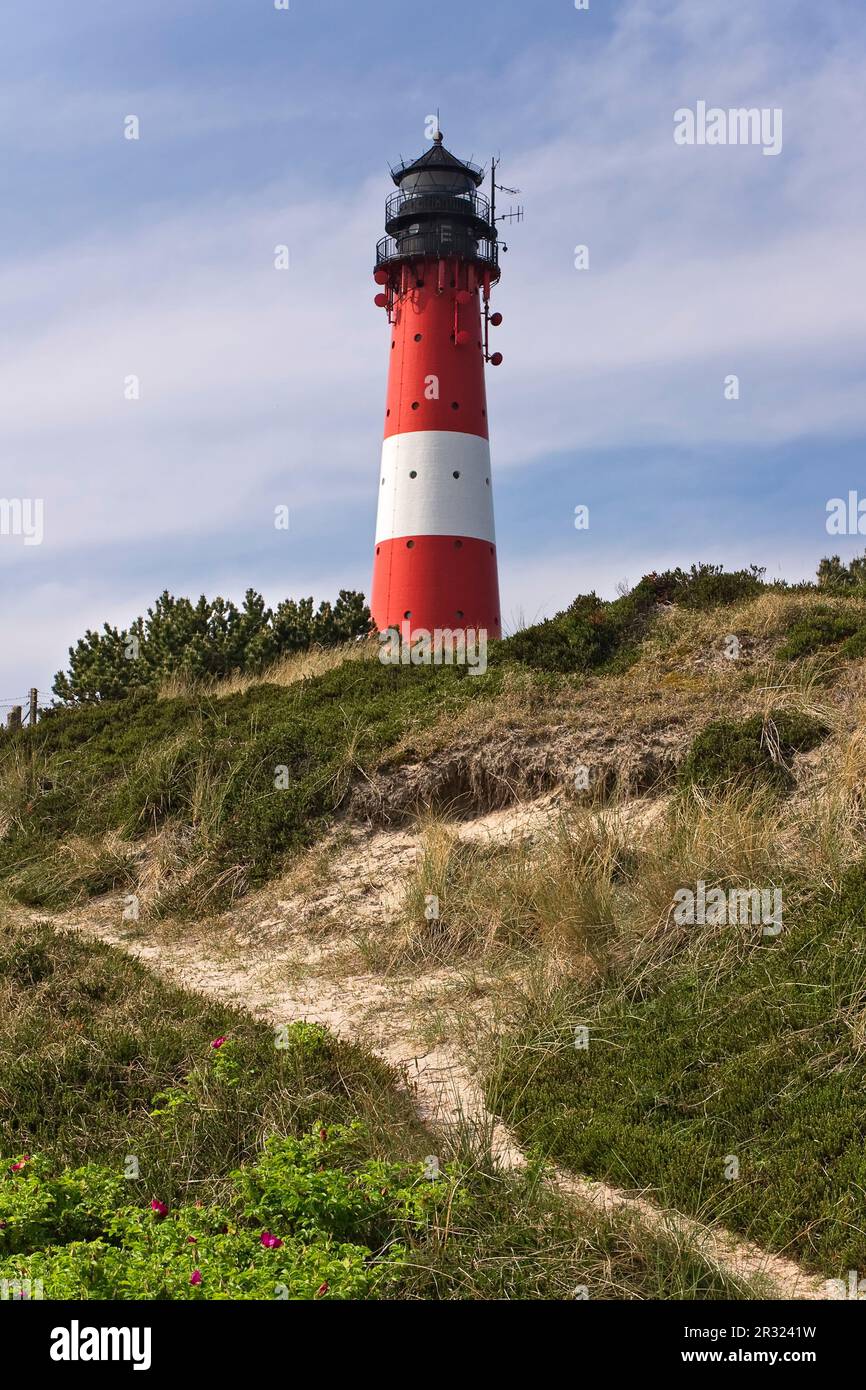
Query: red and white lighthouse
[(435, 562)]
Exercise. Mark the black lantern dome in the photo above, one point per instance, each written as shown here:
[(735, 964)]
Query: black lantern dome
[(436, 211)]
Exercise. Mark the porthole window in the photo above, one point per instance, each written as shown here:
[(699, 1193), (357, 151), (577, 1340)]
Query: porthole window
[(413, 473), (459, 612), (408, 613), (458, 545), (487, 481), (415, 405), (456, 473), (417, 337), (455, 405), (409, 545)]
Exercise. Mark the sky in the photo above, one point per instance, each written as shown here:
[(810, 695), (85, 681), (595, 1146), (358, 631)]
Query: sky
[(259, 387)]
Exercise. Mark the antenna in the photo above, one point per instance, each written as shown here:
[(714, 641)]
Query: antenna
[(513, 214)]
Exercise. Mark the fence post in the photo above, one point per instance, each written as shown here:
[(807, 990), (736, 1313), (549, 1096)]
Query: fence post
[(13, 719), (34, 712)]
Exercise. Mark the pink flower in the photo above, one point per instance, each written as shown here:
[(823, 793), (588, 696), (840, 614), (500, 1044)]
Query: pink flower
[(270, 1242), (159, 1207), (195, 1277), (16, 1167), (218, 1042)]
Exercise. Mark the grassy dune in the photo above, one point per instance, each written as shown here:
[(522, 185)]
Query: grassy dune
[(722, 1067), (160, 1146)]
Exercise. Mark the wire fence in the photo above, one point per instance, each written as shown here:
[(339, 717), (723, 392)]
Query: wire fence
[(20, 710)]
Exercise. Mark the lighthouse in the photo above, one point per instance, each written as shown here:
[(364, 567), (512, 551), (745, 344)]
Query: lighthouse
[(435, 550)]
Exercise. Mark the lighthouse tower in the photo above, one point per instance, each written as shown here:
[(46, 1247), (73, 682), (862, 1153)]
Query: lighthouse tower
[(435, 561)]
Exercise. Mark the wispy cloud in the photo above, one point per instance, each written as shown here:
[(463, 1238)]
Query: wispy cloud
[(260, 386)]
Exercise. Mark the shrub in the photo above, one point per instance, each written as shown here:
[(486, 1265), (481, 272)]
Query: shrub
[(822, 627), (306, 1220), (842, 579), (754, 751), (594, 635), (705, 586), (207, 640)]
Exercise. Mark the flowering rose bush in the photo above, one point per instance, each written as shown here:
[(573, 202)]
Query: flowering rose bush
[(304, 1221)]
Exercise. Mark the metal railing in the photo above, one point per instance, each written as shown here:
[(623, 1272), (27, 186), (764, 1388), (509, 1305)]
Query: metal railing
[(425, 204), (434, 168), (430, 245)]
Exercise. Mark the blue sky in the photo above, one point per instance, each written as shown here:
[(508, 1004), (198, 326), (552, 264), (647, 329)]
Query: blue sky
[(261, 387)]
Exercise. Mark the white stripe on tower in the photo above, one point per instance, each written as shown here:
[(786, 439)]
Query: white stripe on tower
[(435, 483)]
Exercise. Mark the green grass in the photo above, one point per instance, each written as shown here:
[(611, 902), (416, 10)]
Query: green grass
[(113, 1097), (250, 778), (735, 1045), (241, 783)]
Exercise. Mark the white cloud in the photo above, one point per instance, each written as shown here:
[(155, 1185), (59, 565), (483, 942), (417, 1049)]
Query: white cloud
[(260, 386)]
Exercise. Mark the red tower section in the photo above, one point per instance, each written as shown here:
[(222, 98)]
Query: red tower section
[(435, 562)]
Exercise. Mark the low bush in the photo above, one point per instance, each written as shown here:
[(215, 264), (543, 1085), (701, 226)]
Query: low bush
[(751, 752), (595, 635), (821, 628), (306, 1220)]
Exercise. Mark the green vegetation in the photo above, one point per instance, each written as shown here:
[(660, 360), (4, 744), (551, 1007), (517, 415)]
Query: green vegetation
[(592, 635), (244, 780), (752, 752), (837, 578), (226, 789), (825, 627), (343, 1228), (728, 1045), (160, 1146), (206, 641), (214, 639), (100, 1059)]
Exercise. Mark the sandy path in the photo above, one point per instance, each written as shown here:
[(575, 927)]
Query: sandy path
[(273, 958), (445, 1093)]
